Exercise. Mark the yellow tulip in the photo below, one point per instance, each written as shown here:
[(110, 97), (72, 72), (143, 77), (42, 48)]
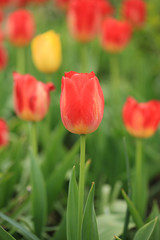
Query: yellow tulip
[(46, 52)]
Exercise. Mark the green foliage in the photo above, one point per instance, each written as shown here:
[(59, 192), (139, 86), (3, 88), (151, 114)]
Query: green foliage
[(4, 235), (146, 231), (39, 201), (72, 208), (89, 225)]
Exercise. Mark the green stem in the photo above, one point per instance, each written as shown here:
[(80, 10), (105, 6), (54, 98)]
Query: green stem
[(84, 58), (21, 60), (138, 175), (127, 217), (33, 137), (81, 185)]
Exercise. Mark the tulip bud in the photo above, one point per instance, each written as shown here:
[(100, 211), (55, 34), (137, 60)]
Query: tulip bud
[(46, 52), (31, 97), (135, 12), (3, 58), (4, 133), (84, 19), (115, 35), (141, 119), (81, 102), (20, 27)]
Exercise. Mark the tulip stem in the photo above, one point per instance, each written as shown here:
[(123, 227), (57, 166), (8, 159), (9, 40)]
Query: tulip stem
[(21, 60), (84, 58), (138, 180), (81, 185), (33, 138)]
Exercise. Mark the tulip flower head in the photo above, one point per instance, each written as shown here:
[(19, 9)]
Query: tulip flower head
[(4, 3), (141, 119), (46, 52), (31, 97), (84, 19), (3, 58), (4, 133), (105, 7), (22, 3), (115, 35), (81, 102), (20, 27), (135, 12)]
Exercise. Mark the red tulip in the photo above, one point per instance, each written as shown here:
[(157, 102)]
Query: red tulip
[(4, 3), (115, 35), (3, 58), (1, 16), (4, 133), (135, 12), (31, 97), (81, 102), (20, 27), (22, 3), (105, 7), (84, 18), (141, 119)]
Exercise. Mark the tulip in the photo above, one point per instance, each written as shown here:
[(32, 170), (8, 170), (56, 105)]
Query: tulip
[(115, 35), (4, 133), (81, 102), (1, 16), (141, 119), (84, 19), (3, 58), (4, 3), (135, 12), (22, 3), (20, 27), (31, 97), (46, 52), (105, 7)]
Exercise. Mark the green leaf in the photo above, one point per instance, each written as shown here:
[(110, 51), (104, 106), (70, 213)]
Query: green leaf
[(5, 235), (39, 203), (28, 235), (72, 208), (89, 225), (136, 217), (153, 215), (145, 232), (56, 180)]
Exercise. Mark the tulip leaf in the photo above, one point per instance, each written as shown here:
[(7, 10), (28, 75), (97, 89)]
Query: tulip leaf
[(89, 225), (135, 215), (56, 179), (72, 208), (5, 235), (146, 231), (39, 203), (28, 235)]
